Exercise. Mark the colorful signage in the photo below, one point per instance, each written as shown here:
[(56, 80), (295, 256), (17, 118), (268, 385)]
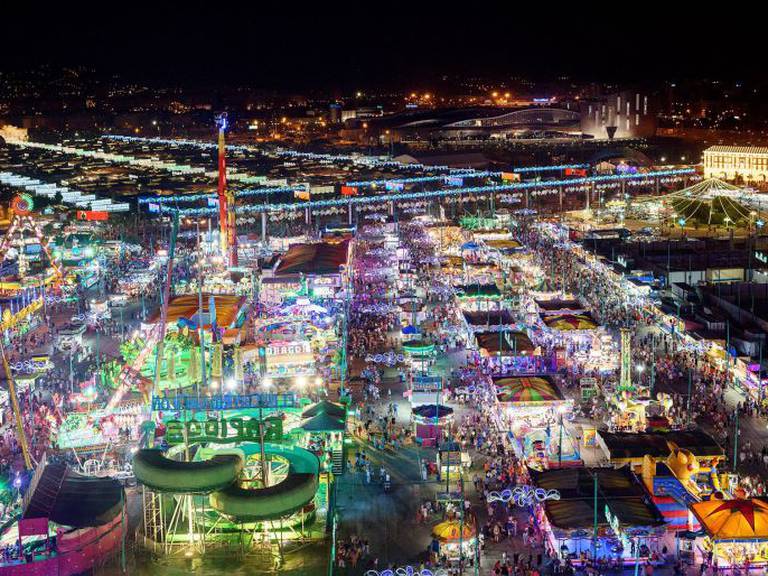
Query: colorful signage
[(427, 383), (224, 402), (92, 215), (22, 204), (224, 430)]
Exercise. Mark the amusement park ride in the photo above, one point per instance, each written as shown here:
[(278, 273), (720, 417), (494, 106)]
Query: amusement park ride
[(226, 198), (22, 207), (197, 495), (130, 373)]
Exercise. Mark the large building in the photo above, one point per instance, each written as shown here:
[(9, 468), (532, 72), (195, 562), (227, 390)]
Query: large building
[(479, 123), (622, 115), (745, 163)]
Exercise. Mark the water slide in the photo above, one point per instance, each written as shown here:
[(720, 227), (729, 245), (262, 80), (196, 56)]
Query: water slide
[(157, 472), (216, 472)]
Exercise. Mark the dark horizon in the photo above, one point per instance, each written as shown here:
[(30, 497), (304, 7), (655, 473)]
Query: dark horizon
[(399, 45)]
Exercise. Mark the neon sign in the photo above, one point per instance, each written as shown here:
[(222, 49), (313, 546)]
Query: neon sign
[(22, 204), (225, 430), (224, 402)]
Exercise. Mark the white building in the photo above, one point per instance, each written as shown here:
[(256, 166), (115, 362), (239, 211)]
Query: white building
[(749, 163)]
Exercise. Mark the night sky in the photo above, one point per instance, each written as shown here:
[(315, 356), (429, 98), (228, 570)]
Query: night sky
[(384, 43)]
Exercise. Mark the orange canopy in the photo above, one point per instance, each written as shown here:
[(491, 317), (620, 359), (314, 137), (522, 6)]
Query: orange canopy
[(738, 519)]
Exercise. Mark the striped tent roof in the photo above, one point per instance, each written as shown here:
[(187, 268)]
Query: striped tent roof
[(318, 258)]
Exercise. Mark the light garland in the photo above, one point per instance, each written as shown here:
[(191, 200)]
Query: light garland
[(407, 571), (433, 194), (359, 159), (524, 169), (389, 358), (469, 173), (524, 495), (176, 198), (30, 366)]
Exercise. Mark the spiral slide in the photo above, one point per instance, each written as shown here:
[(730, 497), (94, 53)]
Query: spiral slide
[(216, 472), (156, 471), (294, 492)]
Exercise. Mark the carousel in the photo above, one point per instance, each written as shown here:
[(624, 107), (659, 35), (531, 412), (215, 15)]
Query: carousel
[(454, 539), (736, 531)]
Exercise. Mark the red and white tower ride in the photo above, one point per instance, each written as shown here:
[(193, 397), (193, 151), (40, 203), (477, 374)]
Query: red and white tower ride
[(227, 227)]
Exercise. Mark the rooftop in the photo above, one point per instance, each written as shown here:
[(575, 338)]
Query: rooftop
[(618, 489), (737, 149)]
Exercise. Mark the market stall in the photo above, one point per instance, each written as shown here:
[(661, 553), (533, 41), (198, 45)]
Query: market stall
[(612, 502), (430, 422)]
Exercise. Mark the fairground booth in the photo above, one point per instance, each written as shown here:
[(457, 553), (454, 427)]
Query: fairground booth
[(430, 422), (478, 296), (511, 352), (453, 539), (320, 266), (322, 432), (418, 351), (622, 448), (71, 524), (553, 303), (736, 531), (221, 318), (605, 511), (424, 388), (533, 408), (501, 246), (485, 320), (566, 320), (451, 461)]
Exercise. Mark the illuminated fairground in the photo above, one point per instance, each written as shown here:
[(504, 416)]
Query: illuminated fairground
[(361, 366)]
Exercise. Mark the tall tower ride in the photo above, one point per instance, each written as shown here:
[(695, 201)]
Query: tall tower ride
[(227, 227)]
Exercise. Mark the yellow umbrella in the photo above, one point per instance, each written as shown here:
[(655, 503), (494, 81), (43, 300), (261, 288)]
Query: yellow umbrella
[(451, 530)]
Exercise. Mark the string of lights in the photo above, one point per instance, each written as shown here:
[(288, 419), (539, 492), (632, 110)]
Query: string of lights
[(359, 159), (430, 194), (182, 198)]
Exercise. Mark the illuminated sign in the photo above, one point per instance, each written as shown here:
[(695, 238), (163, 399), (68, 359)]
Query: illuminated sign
[(22, 204), (613, 521), (223, 430), (92, 215), (761, 257), (427, 383), (224, 402)]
